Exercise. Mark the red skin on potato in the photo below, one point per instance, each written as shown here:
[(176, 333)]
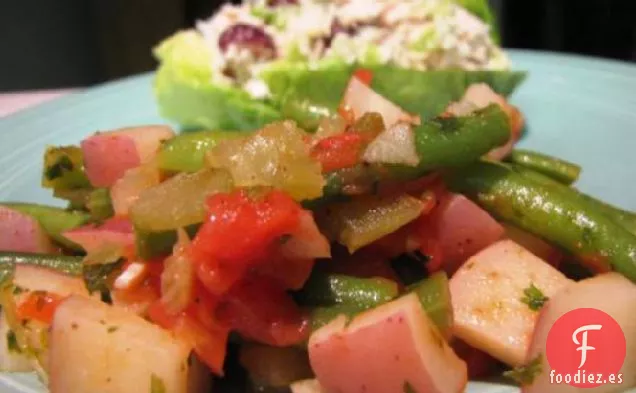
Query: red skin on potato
[(116, 231), (108, 155), (461, 229), (382, 350), (22, 233)]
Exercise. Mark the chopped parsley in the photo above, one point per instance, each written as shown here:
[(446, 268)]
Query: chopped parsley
[(408, 388), (12, 342), (18, 290), (156, 384), (525, 375), (534, 298)]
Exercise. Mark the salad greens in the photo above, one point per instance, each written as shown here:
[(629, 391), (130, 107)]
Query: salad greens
[(187, 93), (194, 90), (307, 95)]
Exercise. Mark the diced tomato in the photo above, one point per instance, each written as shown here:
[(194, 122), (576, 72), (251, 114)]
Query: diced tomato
[(242, 230), (203, 308), (158, 314), (339, 151), (210, 344), (242, 273), (260, 310), (155, 268), (365, 76), (209, 340), (288, 273), (240, 233), (291, 264), (40, 306), (218, 278)]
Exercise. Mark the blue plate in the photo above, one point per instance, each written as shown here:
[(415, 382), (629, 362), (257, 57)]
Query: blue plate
[(580, 109)]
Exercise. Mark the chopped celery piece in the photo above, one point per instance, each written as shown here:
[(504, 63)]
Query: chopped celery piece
[(359, 222)]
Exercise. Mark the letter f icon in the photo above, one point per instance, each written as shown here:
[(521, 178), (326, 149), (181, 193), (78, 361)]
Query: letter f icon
[(583, 344)]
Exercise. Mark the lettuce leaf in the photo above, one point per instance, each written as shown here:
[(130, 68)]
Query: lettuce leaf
[(187, 93), (304, 94)]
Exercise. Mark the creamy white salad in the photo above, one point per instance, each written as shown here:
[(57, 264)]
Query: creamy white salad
[(413, 34)]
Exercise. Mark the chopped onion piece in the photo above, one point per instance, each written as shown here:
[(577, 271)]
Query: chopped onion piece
[(126, 191), (329, 126), (178, 201), (132, 275), (360, 99), (177, 279), (461, 108), (481, 95), (396, 145), (306, 242), (276, 156)]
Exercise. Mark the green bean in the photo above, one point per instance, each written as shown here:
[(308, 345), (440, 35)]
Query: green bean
[(54, 221), (327, 289), (456, 141), (441, 143), (61, 263), (186, 152), (622, 217), (556, 214), (560, 170), (434, 294), (96, 277)]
